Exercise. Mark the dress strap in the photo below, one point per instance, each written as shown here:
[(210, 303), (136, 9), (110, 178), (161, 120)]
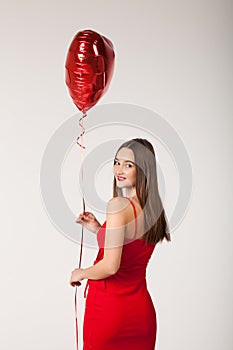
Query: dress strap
[(135, 216)]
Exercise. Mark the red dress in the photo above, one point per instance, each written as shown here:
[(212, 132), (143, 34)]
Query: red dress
[(119, 312)]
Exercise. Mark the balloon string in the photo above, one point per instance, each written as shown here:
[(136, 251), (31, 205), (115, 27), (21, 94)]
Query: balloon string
[(83, 130), (80, 257)]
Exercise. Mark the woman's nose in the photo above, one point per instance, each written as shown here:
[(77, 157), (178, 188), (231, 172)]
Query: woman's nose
[(119, 171)]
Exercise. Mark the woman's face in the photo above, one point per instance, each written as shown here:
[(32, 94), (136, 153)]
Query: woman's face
[(124, 168)]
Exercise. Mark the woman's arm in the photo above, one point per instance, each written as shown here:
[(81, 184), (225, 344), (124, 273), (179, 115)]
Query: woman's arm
[(114, 240), (98, 271)]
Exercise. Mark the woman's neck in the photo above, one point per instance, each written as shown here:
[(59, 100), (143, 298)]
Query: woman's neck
[(129, 192)]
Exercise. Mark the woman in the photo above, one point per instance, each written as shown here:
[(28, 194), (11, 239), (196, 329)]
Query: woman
[(119, 312)]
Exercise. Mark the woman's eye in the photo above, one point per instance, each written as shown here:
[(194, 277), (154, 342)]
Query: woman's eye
[(115, 162)]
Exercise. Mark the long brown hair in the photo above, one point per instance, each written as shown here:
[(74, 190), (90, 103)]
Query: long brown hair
[(155, 220)]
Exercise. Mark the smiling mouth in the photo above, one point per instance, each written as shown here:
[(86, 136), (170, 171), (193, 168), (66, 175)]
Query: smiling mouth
[(120, 178)]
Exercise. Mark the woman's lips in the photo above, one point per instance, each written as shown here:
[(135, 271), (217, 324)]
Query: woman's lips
[(120, 178)]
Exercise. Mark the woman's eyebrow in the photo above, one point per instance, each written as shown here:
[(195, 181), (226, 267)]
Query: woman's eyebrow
[(126, 160)]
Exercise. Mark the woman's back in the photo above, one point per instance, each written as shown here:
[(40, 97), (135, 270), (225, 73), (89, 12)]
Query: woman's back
[(131, 274)]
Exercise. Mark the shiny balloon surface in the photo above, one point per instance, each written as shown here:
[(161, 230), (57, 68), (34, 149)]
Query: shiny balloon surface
[(89, 68)]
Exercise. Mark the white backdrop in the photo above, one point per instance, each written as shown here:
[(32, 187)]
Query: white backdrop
[(173, 57)]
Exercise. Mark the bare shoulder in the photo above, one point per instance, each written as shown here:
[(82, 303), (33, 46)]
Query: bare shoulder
[(118, 201), (117, 205)]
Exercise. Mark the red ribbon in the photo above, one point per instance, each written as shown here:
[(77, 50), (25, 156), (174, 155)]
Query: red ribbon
[(80, 257)]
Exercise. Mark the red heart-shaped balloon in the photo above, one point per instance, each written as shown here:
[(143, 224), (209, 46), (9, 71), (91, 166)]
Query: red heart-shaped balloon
[(89, 68)]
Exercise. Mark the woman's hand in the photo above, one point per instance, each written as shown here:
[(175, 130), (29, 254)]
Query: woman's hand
[(76, 276), (89, 221)]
